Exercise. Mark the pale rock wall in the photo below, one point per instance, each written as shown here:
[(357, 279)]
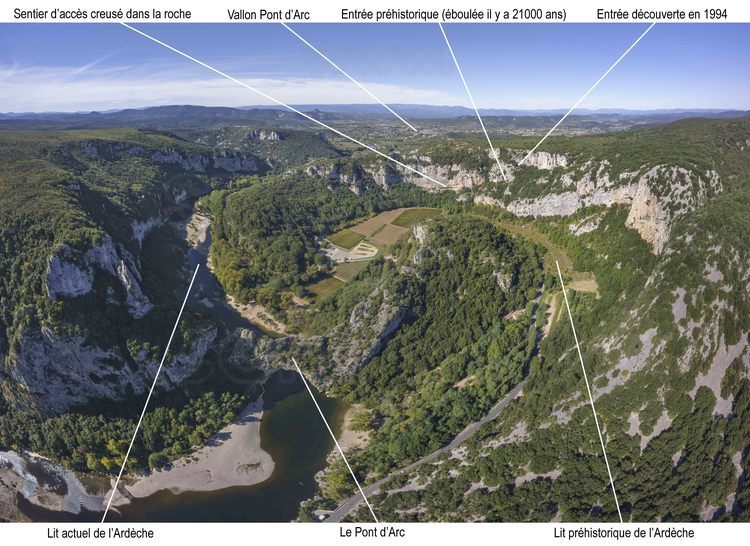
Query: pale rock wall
[(349, 346), (68, 277), (541, 160), (62, 371), (142, 228), (263, 134), (201, 162), (650, 215), (649, 218)]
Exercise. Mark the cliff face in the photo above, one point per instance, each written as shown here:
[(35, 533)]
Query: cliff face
[(70, 278), (345, 349), (657, 194), (78, 339), (61, 371)]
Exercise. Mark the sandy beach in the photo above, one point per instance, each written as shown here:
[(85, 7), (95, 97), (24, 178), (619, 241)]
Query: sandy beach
[(349, 439), (232, 457), (258, 315)]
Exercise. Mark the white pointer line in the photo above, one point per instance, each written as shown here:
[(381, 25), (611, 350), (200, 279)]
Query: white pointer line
[(284, 105), (355, 82), (335, 440), (588, 388), (587, 93), (148, 398), (471, 98)]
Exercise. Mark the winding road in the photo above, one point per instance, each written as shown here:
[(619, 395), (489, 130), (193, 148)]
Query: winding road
[(352, 502)]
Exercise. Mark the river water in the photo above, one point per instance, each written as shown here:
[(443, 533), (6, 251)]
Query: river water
[(295, 436), (291, 431)]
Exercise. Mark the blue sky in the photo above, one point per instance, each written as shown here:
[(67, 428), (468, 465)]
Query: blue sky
[(97, 67)]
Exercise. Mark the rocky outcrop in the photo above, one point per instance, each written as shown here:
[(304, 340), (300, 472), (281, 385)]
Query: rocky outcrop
[(201, 162), (236, 163), (263, 134), (71, 276), (354, 343), (61, 371), (348, 347), (354, 176), (541, 160), (141, 228), (453, 176), (196, 161), (649, 218), (651, 214), (386, 176)]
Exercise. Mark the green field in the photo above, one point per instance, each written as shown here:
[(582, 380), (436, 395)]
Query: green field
[(347, 271), (345, 238), (325, 287), (409, 217), (554, 252)]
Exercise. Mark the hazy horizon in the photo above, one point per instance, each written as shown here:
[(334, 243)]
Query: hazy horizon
[(84, 67), (611, 110)]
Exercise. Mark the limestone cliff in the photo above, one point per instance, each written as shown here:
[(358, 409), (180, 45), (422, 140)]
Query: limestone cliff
[(345, 349), (60, 371), (71, 277), (656, 196)]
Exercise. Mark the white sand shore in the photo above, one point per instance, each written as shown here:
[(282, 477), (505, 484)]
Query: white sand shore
[(232, 457), (349, 438), (258, 315)]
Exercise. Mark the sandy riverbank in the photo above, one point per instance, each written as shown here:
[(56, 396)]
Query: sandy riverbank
[(43, 483), (233, 457), (258, 315), (196, 233), (349, 438)]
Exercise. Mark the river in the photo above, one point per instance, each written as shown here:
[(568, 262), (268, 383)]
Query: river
[(291, 432)]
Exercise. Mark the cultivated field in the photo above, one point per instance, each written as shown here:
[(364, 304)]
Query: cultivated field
[(347, 271), (389, 235), (353, 248), (345, 238), (324, 287), (409, 217), (371, 225)]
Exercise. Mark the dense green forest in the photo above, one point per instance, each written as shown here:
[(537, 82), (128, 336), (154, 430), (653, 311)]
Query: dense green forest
[(99, 443), (473, 293), (432, 379), (554, 466), (76, 188), (266, 236), (279, 148), (79, 189)]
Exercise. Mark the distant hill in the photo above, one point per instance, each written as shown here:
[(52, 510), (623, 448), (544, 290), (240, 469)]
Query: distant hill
[(185, 116), (437, 111), (161, 117)]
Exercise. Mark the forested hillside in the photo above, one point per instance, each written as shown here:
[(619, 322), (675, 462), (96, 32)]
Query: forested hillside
[(92, 273), (266, 237), (421, 305), (665, 344)]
